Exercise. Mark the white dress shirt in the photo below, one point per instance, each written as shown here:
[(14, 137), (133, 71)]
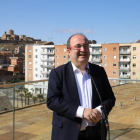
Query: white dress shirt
[(84, 86)]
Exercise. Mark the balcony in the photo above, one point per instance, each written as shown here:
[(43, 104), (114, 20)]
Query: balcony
[(95, 60), (47, 53), (124, 76), (125, 52), (44, 78), (45, 72), (95, 53), (47, 59), (47, 66), (34, 121), (124, 69), (124, 60)]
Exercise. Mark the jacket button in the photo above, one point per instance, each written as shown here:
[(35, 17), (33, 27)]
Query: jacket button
[(78, 125)]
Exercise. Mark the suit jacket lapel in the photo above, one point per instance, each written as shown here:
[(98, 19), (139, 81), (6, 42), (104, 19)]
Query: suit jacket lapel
[(71, 83), (95, 97)]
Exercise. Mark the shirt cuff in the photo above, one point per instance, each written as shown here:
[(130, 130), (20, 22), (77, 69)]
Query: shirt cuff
[(99, 108), (79, 112)]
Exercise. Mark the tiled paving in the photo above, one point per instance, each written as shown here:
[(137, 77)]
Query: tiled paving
[(34, 123)]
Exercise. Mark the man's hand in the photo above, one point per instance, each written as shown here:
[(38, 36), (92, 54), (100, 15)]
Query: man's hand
[(92, 115)]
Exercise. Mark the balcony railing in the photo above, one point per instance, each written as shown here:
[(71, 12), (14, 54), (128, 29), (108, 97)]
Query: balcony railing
[(124, 52), (47, 66), (95, 60), (47, 59), (124, 60), (19, 113), (48, 53), (124, 68), (45, 72), (96, 53), (124, 76)]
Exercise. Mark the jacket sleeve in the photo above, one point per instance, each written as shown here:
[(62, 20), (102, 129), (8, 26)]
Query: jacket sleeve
[(55, 97), (108, 95)]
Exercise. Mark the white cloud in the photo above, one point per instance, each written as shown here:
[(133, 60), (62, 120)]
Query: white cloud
[(74, 31)]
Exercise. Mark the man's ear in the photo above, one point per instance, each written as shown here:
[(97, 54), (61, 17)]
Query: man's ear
[(68, 51)]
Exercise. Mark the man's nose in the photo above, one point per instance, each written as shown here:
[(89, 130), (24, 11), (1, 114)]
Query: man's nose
[(82, 48)]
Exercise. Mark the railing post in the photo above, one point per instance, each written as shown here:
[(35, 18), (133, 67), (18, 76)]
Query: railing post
[(13, 112)]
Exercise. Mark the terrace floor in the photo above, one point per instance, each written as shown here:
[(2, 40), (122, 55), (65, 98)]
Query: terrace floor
[(34, 123)]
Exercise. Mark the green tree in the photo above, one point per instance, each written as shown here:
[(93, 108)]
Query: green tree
[(29, 95), (35, 98), (17, 91), (40, 97), (21, 95), (25, 90)]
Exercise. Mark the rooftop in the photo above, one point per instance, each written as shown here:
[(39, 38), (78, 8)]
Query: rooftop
[(34, 123)]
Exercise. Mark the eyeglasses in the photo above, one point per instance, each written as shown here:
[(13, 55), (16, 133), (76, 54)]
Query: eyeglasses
[(78, 46)]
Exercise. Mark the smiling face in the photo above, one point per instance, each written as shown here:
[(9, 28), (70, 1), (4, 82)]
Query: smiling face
[(79, 57)]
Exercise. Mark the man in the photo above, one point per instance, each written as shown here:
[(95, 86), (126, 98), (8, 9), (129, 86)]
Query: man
[(72, 95)]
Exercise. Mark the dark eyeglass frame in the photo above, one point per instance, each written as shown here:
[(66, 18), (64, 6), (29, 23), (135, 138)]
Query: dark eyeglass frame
[(78, 46)]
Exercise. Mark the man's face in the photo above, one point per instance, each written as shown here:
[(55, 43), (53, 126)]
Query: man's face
[(78, 56)]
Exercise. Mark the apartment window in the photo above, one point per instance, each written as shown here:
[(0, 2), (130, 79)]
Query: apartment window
[(114, 80), (114, 72), (104, 64), (64, 63), (105, 49), (134, 48), (30, 68), (134, 56), (30, 62), (36, 75), (43, 69), (56, 63), (35, 62), (114, 49), (114, 56), (114, 64), (64, 49), (64, 56), (30, 56), (134, 73), (35, 50), (134, 64), (56, 56), (36, 56), (36, 69), (30, 50), (105, 57), (56, 50), (30, 75)]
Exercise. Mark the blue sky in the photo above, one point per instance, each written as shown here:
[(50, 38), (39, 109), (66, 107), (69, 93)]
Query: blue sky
[(106, 21)]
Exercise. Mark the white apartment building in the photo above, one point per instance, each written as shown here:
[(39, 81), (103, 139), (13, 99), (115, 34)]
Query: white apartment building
[(95, 54), (39, 61)]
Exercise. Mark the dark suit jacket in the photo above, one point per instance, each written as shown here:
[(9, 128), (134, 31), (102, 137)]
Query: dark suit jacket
[(64, 100)]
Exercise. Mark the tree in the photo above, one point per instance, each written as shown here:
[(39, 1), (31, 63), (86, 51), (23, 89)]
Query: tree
[(28, 95), (35, 98), (17, 91), (40, 97), (25, 90), (21, 95)]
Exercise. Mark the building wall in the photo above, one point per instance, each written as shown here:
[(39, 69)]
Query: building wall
[(60, 53), (111, 52), (29, 63), (135, 69)]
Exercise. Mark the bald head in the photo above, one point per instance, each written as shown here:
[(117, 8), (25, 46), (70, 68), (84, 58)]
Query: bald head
[(68, 42)]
